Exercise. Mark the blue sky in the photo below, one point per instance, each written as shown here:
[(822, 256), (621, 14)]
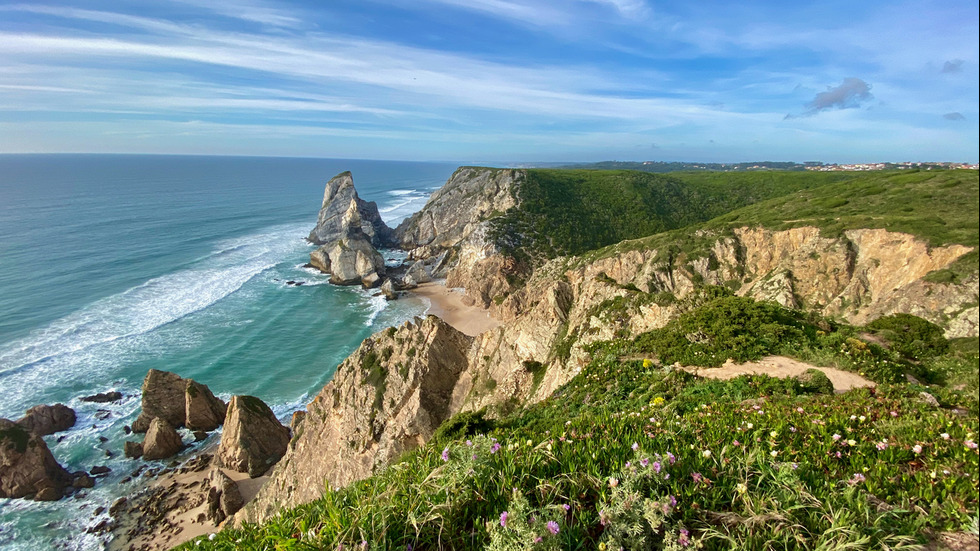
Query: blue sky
[(494, 80)]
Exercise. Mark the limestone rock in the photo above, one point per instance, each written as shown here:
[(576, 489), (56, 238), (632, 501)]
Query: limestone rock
[(163, 397), (253, 439), (331, 224), (27, 467), (133, 450), (387, 398), (388, 290), (224, 499), (351, 260), (178, 401), (44, 420), (161, 441), (202, 411)]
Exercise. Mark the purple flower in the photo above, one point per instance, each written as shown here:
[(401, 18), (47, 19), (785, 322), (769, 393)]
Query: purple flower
[(567, 507), (671, 458), (445, 454), (635, 446), (503, 519), (469, 443), (656, 466), (552, 527), (644, 462), (683, 539), (495, 447)]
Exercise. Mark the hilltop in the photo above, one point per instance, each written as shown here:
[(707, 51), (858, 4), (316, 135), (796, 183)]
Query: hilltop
[(580, 423)]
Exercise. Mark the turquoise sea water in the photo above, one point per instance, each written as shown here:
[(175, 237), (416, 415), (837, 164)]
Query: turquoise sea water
[(113, 265)]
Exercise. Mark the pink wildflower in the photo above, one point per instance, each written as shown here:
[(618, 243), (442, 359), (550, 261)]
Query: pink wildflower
[(552, 527), (503, 519)]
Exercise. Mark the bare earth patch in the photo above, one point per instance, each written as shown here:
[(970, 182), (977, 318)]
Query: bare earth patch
[(781, 366)]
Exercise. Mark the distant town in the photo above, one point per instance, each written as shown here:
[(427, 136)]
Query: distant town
[(667, 166)]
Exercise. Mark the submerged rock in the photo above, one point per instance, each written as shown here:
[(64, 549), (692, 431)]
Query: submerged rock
[(253, 439), (103, 397), (27, 468), (44, 420)]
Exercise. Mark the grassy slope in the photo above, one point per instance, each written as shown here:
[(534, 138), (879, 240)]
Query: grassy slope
[(566, 212), (937, 206), (631, 455)]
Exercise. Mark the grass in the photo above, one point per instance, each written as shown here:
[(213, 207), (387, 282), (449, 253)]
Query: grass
[(632, 455), (569, 212)]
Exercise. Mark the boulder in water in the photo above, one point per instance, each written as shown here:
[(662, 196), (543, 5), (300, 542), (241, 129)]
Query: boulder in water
[(44, 420), (27, 467)]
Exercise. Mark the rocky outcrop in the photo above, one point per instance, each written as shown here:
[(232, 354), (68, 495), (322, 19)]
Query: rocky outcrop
[(161, 441), (27, 468), (449, 235), (331, 224), (44, 420), (348, 253), (202, 410), (387, 398), (253, 439), (178, 401), (224, 499), (103, 397)]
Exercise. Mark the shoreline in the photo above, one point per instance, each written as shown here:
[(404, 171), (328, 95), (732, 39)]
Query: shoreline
[(447, 304)]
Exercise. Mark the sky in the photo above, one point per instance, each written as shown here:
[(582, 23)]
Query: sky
[(498, 81)]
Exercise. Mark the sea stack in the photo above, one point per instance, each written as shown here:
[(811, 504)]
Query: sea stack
[(348, 230)]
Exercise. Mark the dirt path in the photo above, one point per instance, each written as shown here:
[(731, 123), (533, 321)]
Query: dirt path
[(781, 366)]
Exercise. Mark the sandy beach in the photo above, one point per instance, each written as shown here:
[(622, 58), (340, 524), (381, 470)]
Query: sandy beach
[(447, 304)]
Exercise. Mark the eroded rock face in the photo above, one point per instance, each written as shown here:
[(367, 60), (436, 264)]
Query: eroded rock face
[(331, 226), (253, 439), (348, 255), (202, 410), (161, 441), (178, 401), (44, 420), (224, 499), (27, 468), (387, 398)]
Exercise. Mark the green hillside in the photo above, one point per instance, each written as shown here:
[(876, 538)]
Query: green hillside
[(941, 207), (568, 212), (633, 455)]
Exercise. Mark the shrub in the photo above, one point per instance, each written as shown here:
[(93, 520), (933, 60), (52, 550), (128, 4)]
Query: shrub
[(911, 336)]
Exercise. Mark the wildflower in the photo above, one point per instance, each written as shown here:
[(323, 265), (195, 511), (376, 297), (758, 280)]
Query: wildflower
[(683, 540), (644, 462), (799, 410), (635, 446), (882, 446), (613, 482), (736, 443), (749, 425), (970, 444), (647, 363), (445, 454), (852, 442), (706, 453), (656, 467), (495, 447), (469, 443), (696, 477), (774, 453), (658, 401), (567, 507), (553, 527), (862, 418), (741, 488), (672, 459), (893, 413), (917, 449), (945, 436), (857, 478), (503, 519), (792, 428), (529, 443), (773, 434), (836, 437)]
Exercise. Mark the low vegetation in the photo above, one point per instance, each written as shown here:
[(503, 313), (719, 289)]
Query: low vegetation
[(567, 212), (633, 455)]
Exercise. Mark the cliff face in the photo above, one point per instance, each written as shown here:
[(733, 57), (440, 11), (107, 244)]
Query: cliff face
[(387, 398), (449, 235)]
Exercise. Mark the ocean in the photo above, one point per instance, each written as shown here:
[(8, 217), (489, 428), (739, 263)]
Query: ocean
[(111, 265)]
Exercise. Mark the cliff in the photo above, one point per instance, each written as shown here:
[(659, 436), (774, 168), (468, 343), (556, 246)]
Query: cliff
[(392, 393), (387, 398)]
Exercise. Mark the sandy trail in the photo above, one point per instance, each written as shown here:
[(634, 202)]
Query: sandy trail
[(781, 366)]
